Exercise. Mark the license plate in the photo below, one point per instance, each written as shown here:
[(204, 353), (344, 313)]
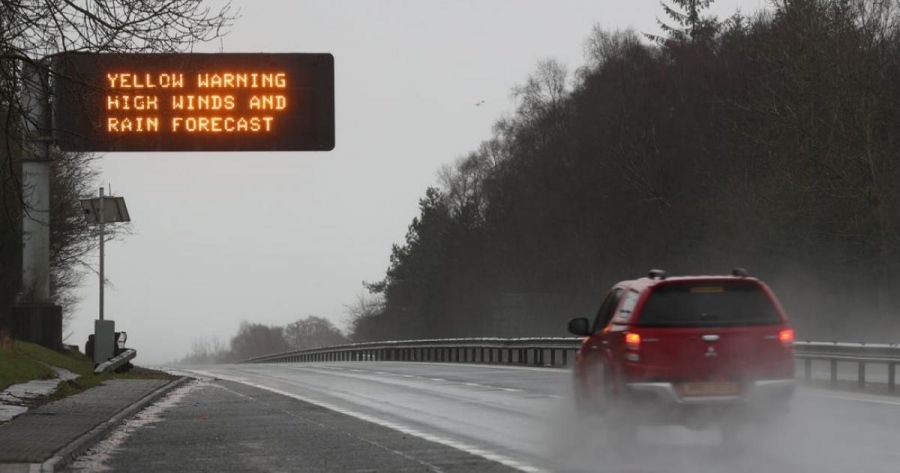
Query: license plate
[(713, 388)]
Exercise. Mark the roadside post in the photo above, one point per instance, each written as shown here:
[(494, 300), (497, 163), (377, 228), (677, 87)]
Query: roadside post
[(100, 211)]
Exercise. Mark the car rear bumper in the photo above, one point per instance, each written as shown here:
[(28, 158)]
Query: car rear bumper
[(755, 392), (661, 403)]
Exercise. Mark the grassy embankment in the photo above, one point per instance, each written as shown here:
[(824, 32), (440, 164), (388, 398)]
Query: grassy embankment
[(21, 362)]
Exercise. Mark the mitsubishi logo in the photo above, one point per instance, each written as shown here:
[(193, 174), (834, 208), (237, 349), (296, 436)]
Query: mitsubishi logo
[(711, 352)]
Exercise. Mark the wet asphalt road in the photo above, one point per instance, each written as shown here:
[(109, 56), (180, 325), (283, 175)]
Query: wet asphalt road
[(379, 415), (221, 426)]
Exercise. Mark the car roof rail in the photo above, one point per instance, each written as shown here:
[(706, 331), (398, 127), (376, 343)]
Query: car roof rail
[(657, 274), (739, 272)]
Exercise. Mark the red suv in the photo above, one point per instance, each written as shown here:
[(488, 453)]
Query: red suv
[(690, 350)]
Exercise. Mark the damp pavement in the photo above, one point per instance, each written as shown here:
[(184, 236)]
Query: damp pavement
[(48, 437)]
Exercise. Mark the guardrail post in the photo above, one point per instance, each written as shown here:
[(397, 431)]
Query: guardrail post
[(892, 377), (807, 369), (834, 373), (862, 374)]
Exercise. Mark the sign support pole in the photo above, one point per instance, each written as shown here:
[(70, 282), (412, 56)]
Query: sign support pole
[(102, 242)]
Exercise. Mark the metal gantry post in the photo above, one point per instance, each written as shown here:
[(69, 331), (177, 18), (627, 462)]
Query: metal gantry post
[(36, 187)]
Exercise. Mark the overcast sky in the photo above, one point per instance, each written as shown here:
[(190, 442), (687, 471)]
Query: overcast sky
[(273, 237)]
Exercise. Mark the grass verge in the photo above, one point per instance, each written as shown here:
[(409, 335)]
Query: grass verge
[(21, 362)]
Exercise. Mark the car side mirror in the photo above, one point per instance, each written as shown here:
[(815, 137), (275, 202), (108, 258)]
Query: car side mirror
[(580, 326)]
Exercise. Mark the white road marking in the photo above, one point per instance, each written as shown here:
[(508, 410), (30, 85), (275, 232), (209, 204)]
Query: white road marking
[(487, 454)]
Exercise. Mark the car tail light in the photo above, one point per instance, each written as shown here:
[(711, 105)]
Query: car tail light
[(633, 341), (786, 337)]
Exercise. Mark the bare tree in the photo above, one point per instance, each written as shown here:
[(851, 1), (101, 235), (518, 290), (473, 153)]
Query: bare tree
[(313, 332), (206, 350), (363, 314), (543, 92)]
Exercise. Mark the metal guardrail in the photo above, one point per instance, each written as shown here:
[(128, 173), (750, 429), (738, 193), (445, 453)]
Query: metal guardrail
[(556, 352), (116, 362), (860, 354)]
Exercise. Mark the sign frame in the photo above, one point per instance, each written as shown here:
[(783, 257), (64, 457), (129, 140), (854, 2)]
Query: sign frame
[(186, 102)]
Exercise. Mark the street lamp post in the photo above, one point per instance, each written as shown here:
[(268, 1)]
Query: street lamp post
[(102, 210)]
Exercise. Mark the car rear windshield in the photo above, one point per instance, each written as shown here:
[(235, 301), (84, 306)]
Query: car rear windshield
[(712, 304)]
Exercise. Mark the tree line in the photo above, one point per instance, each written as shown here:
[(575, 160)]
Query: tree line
[(767, 141), (256, 339)]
